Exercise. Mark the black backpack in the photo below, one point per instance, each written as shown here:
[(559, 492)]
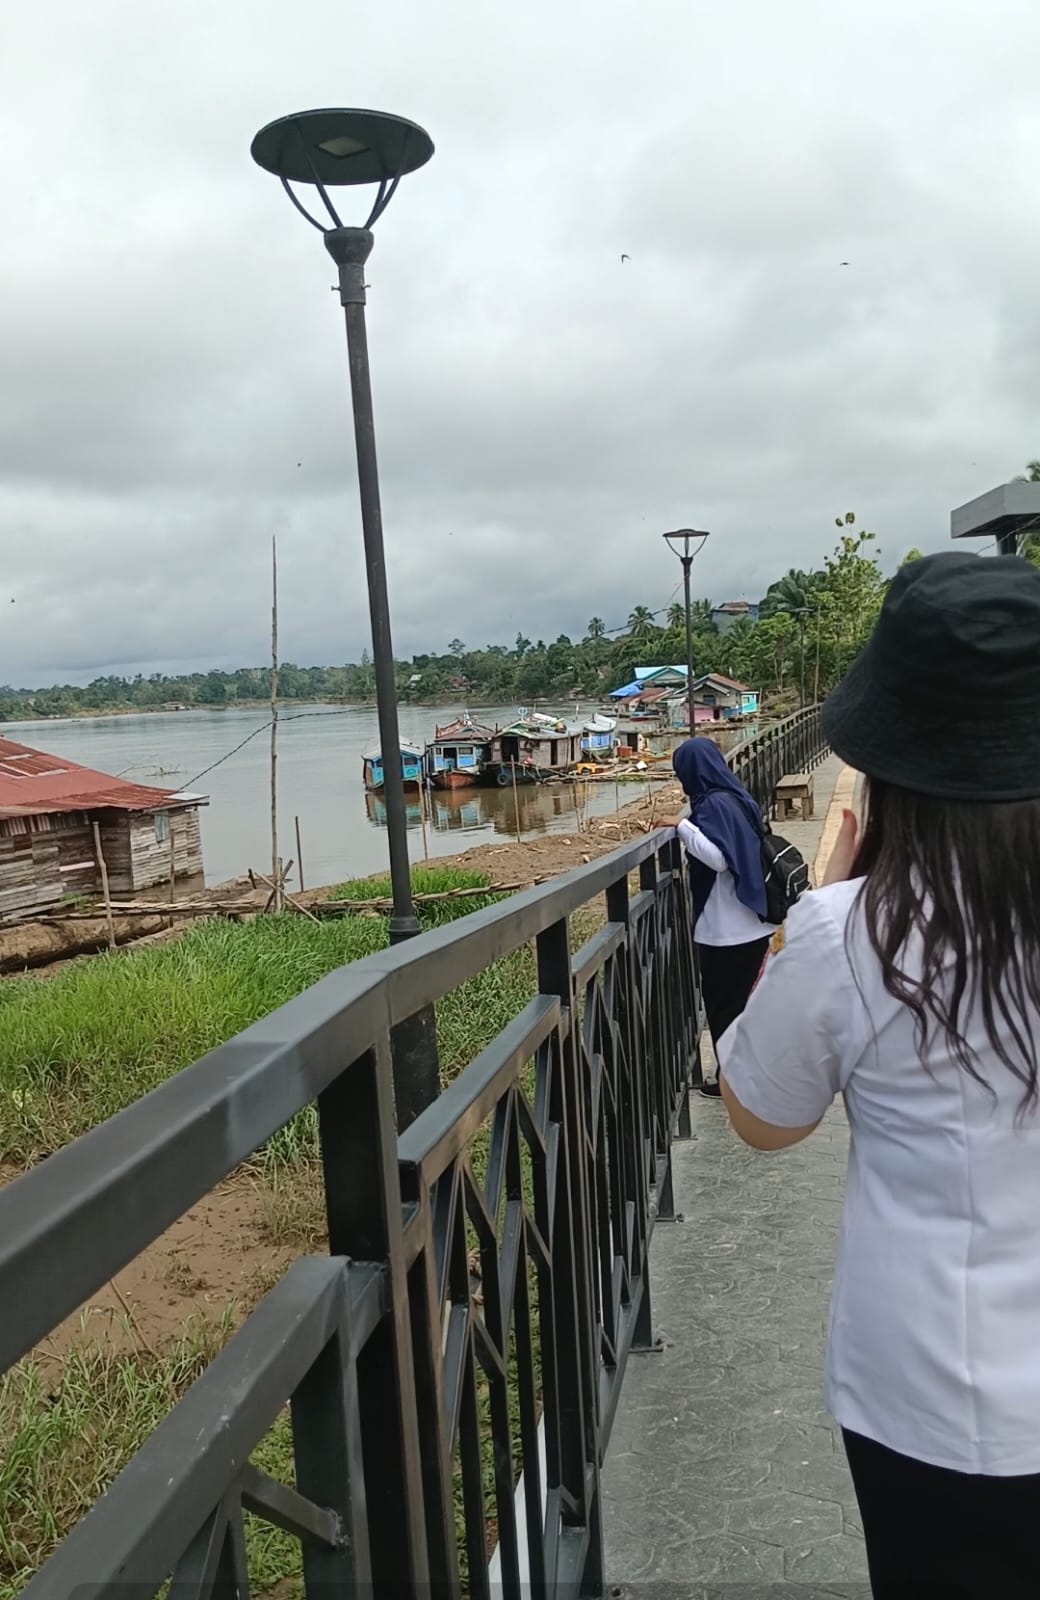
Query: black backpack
[(784, 870)]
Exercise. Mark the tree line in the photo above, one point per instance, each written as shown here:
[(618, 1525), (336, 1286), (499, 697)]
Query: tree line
[(810, 626)]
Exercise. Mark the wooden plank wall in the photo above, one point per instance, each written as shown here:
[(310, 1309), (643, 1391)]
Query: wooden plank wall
[(150, 857), (43, 859), (29, 875)]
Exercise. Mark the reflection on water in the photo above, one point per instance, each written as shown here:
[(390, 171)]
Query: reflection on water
[(533, 809)]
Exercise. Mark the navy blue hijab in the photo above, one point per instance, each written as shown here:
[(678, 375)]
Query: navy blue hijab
[(724, 811)]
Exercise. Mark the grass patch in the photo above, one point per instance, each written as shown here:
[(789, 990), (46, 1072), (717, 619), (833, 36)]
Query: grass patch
[(425, 880), (83, 1045), (66, 1432)]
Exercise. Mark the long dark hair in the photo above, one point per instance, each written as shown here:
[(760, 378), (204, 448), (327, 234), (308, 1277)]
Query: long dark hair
[(964, 877)]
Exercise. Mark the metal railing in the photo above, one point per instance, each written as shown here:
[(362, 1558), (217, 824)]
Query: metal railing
[(794, 745), (487, 1276)]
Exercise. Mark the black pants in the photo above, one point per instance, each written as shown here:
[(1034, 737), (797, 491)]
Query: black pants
[(728, 973), (944, 1535)]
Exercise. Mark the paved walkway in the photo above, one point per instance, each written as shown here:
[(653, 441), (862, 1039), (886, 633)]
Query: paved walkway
[(725, 1478)]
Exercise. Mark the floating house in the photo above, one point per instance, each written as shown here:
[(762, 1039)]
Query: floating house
[(724, 697), (458, 754), (49, 807), (536, 746), (411, 767), (598, 737)]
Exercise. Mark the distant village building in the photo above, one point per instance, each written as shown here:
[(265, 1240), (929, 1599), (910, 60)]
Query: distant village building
[(732, 611), (48, 808), (659, 693)]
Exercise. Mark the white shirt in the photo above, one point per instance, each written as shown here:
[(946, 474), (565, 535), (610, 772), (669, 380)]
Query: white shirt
[(934, 1342), (725, 919)]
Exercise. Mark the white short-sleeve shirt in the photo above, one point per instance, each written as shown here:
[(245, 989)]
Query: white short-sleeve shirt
[(934, 1340)]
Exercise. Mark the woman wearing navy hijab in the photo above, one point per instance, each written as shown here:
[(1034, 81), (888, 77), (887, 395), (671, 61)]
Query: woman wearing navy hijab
[(723, 838)]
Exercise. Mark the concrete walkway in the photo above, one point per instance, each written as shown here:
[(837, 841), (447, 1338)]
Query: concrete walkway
[(725, 1478)]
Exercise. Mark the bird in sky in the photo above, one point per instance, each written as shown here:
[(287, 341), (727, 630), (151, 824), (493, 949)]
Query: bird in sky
[(843, 263), (626, 258)]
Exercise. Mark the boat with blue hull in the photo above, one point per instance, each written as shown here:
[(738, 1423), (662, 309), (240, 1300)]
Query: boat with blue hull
[(411, 767)]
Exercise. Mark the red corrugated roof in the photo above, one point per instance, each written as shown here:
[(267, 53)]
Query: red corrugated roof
[(33, 783)]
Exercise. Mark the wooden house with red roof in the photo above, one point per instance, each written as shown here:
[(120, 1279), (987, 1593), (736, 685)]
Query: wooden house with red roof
[(48, 848)]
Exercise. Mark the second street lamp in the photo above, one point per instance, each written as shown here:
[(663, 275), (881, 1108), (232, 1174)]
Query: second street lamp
[(687, 543), (330, 149)]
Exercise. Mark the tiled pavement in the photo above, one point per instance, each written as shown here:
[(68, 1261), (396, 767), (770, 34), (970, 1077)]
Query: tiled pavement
[(725, 1478)]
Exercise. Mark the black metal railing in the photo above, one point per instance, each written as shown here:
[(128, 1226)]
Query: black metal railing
[(794, 745), (487, 1275)]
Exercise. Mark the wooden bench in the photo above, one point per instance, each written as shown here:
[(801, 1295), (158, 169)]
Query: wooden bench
[(794, 789)]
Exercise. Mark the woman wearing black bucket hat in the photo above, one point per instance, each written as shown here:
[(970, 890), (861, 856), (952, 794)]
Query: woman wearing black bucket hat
[(910, 984)]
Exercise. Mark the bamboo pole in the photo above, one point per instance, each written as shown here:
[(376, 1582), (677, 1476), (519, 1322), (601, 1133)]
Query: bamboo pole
[(285, 897), (299, 855), (173, 860), (103, 869), (516, 804), (276, 866)]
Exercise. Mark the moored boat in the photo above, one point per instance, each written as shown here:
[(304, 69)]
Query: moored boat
[(535, 747), (598, 737), (458, 753), (411, 767)]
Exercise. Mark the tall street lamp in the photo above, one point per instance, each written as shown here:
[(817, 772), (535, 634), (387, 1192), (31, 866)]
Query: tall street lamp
[(687, 543), (332, 149), (801, 612)]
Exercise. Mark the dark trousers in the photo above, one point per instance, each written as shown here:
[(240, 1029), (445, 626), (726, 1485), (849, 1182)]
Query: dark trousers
[(728, 974), (942, 1535)]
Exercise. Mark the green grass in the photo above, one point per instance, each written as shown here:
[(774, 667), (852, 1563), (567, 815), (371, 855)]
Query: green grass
[(425, 880), (68, 1430), (81, 1046)]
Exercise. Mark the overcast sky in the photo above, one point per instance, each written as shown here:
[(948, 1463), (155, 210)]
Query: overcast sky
[(170, 350)]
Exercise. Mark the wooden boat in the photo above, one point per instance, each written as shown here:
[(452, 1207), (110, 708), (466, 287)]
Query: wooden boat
[(411, 767), (458, 753), (534, 748), (598, 737)]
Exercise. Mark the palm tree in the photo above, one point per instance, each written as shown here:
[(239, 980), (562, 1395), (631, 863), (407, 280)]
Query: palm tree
[(677, 616), (1031, 474), (596, 629), (791, 593), (641, 623)]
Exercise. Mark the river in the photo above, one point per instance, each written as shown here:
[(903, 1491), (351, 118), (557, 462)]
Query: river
[(320, 750)]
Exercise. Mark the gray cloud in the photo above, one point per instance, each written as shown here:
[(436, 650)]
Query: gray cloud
[(171, 350)]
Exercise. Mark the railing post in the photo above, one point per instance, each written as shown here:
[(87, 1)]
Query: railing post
[(576, 1331), (327, 1445), (632, 1111), (358, 1147)]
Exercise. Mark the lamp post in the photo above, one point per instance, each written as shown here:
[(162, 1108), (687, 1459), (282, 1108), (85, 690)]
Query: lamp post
[(331, 149), (687, 543), (801, 612)]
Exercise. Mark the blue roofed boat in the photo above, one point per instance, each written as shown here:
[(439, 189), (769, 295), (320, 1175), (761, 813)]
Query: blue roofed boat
[(411, 767)]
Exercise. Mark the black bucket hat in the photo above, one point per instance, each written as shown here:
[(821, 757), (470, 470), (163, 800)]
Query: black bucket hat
[(945, 698)]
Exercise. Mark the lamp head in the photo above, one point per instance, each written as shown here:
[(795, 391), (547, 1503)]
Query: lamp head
[(339, 148), (681, 539)]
